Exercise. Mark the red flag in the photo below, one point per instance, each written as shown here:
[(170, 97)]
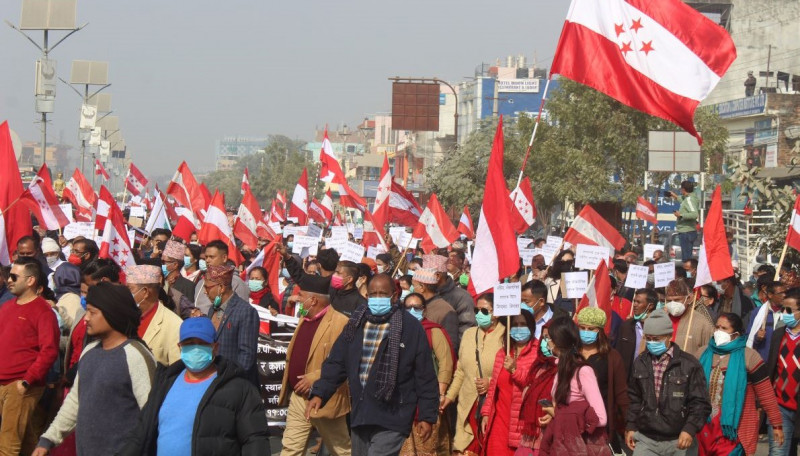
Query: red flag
[(15, 220), (434, 227), (403, 207), (524, 212), (373, 232), (337, 220), (299, 207), (245, 181), (79, 192), (327, 206), (465, 224), (598, 293), (186, 191), (793, 236), (591, 228), (135, 182), (281, 199), (275, 214), (115, 243), (496, 255), (645, 210), (661, 57), (270, 259), (99, 170), (215, 227), (315, 211), (43, 202), (349, 198), (104, 204), (246, 227), (330, 170), (714, 260), (380, 210), (184, 228), (44, 173)]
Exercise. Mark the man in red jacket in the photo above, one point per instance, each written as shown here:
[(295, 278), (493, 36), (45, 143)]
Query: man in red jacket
[(28, 348)]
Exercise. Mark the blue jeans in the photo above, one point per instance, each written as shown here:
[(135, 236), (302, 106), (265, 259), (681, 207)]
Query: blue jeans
[(687, 242), (788, 430)]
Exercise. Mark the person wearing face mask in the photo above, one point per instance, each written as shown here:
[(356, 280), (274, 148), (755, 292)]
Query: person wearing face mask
[(630, 341), (472, 376), (83, 252), (534, 295), (668, 394), (67, 280), (384, 355), (437, 309), (308, 350), (732, 299), (260, 293), (767, 319), (690, 266), (784, 349), (191, 263), (737, 377), (564, 262), (201, 405), (447, 289), (444, 360), (52, 255), (159, 327), (539, 391), (406, 287), (327, 258), (689, 332), (609, 370), (384, 263), (345, 297), (172, 263), (216, 254), (500, 414)]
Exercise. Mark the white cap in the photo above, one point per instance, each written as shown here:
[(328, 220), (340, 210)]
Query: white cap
[(50, 246)]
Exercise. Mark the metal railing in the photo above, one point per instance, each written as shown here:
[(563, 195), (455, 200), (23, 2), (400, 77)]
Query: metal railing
[(746, 231)]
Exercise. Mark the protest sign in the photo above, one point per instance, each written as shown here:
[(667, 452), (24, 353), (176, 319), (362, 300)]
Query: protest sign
[(573, 284), (637, 276), (507, 299), (664, 274)]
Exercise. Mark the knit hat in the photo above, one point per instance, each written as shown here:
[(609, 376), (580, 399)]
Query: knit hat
[(592, 316), (426, 276), (222, 274), (436, 262), (658, 324), (50, 246), (199, 327), (117, 305), (174, 250), (143, 274)]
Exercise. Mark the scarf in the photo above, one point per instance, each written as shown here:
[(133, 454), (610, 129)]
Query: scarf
[(734, 385), (255, 296), (541, 378), (388, 364), (428, 326)]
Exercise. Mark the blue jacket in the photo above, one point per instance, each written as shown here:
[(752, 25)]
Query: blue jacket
[(417, 386), (237, 335)]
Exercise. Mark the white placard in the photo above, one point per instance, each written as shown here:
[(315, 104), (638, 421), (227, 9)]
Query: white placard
[(137, 211), (358, 232), (406, 240), (590, 256), (664, 273), (275, 227), (555, 240), (523, 242), (305, 242), (374, 250), (314, 231), (66, 208), (85, 229), (650, 249), (352, 252), (575, 284), (292, 219), (350, 227), (294, 230), (549, 252), (637, 277), (335, 244), (397, 232), (507, 299), (339, 232), (527, 255)]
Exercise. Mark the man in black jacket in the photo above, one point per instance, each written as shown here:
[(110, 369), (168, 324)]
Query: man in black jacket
[(344, 294), (668, 392), (200, 405), (328, 259), (630, 338), (384, 355)]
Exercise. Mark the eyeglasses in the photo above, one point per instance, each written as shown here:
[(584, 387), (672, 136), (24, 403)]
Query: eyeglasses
[(788, 310), (481, 310), (13, 277), (417, 307)]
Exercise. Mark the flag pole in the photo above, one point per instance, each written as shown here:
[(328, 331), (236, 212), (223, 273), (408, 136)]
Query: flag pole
[(691, 317), (780, 263), (535, 127), (403, 255), (508, 335)]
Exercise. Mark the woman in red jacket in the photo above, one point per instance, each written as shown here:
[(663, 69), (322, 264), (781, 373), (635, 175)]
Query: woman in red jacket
[(500, 415)]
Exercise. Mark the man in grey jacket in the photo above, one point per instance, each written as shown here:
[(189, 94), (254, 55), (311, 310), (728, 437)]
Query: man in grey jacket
[(456, 296)]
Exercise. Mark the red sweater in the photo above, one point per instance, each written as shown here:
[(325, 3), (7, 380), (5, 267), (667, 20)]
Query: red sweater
[(29, 337)]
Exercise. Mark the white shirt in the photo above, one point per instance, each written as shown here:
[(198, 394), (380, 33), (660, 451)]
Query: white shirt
[(540, 322)]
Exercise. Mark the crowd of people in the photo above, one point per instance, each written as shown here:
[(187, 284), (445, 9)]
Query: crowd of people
[(390, 355)]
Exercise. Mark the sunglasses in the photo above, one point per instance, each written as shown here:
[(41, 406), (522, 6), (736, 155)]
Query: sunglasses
[(483, 311), (786, 310), (14, 277)]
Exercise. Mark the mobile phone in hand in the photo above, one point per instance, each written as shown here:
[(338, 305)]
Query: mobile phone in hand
[(545, 403)]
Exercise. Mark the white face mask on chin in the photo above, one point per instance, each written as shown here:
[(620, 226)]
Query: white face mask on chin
[(675, 308)]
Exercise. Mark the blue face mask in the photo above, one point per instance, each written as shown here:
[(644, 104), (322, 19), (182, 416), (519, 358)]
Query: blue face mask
[(83, 302), (411, 272), (484, 321), (640, 316), (688, 274), (285, 273), (379, 306), (203, 265), (255, 285), (588, 337), (520, 333), (546, 349), (188, 261), (290, 245), (660, 305), (417, 313), (404, 293), (657, 348), (789, 320), (197, 357), (164, 270)]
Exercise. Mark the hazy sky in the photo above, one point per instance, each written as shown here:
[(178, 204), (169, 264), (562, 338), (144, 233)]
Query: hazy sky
[(186, 73)]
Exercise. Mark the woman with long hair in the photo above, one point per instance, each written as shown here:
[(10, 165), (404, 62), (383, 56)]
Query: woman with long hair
[(736, 377), (540, 388), (500, 414), (476, 355), (576, 398), (563, 262)]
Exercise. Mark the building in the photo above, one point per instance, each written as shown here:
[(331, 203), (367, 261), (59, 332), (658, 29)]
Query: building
[(229, 149)]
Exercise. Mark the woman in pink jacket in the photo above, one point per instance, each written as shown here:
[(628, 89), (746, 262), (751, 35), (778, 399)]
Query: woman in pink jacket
[(500, 415)]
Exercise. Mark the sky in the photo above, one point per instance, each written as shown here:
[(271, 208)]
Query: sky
[(185, 74)]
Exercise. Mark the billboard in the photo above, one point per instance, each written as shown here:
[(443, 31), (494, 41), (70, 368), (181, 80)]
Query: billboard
[(415, 106), (673, 151)]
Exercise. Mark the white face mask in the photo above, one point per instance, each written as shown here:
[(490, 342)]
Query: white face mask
[(51, 260), (675, 308), (721, 337)]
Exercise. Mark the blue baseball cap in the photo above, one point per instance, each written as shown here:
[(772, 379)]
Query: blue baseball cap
[(199, 327)]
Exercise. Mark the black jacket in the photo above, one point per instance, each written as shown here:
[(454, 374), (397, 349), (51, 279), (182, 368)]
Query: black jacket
[(346, 301), (230, 419), (772, 365), (625, 343), (186, 287), (682, 405), (304, 280)]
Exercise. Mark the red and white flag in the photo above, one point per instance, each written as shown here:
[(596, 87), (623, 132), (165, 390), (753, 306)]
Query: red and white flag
[(714, 260), (275, 213), (299, 207), (598, 293), (246, 227), (380, 210), (99, 170), (524, 208), (373, 232), (465, 224), (661, 57), (403, 207), (330, 171), (316, 213), (496, 255), (337, 220), (793, 236), (215, 227), (43, 202), (645, 210), (186, 191), (116, 244), (327, 206), (434, 227), (245, 181), (104, 204), (135, 181), (79, 192), (349, 198), (15, 220), (591, 228), (280, 197)]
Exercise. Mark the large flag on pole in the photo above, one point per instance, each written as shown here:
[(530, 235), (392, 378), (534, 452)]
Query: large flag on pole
[(661, 57), (104, 203), (714, 260), (186, 191), (79, 192), (99, 170), (465, 224), (793, 236), (403, 207), (135, 181), (380, 210), (331, 172), (496, 255), (158, 215), (434, 227), (43, 202), (246, 227), (299, 206), (591, 228), (647, 211), (245, 181), (115, 243), (215, 227), (524, 213)]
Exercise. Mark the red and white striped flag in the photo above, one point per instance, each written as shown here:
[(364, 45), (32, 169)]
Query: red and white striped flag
[(714, 259), (793, 236), (661, 57), (104, 204), (135, 181), (524, 207), (43, 202), (403, 207), (645, 210), (327, 206), (598, 293), (380, 210), (245, 181), (337, 220), (331, 172), (275, 214), (79, 192), (246, 226), (591, 228), (316, 213), (115, 243), (465, 224), (215, 227), (434, 227), (186, 191), (373, 232), (299, 207), (280, 197), (496, 255), (99, 170)]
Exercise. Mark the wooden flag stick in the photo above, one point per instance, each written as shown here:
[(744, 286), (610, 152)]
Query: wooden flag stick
[(403, 255), (691, 317), (780, 263), (508, 335)]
